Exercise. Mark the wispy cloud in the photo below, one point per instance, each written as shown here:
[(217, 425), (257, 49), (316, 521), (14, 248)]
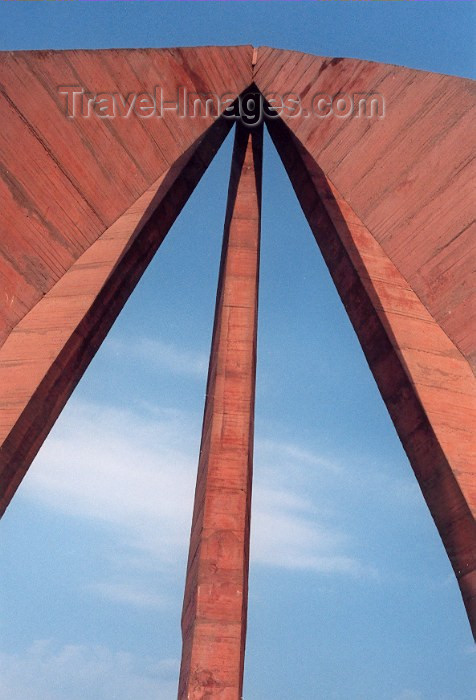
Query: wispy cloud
[(135, 472), (46, 671), (131, 472), (293, 453), (294, 528), (158, 355), (287, 534), (130, 594)]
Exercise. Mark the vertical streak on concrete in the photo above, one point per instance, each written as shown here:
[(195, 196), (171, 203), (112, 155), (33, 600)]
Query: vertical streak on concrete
[(215, 602)]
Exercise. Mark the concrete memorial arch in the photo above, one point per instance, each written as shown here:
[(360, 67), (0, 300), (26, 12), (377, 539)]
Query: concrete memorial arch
[(99, 152)]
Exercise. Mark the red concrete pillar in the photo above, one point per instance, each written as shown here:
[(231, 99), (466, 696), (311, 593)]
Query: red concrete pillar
[(425, 381), (215, 602)]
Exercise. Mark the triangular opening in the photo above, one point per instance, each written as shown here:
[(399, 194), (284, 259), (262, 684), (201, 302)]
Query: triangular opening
[(299, 573)]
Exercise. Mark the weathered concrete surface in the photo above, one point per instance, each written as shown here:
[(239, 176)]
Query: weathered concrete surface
[(47, 352), (215, 602), (408, 176), (426, 383), (86, 187), (64, 181), (86, 202)]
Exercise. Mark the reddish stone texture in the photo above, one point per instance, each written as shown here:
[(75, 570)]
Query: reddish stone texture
[(47, 352), (63, 181), (87, 202), (425, 381), (390, 202), (215, 602), (408, 176)]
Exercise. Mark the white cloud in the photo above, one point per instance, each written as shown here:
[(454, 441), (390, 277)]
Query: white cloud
[(160, 356), (130, 594), (135, 473), (291, 528), (48, 672), (281, 538), (131, 471), (272, 448)]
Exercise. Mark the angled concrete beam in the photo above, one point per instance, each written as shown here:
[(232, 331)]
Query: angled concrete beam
[(48, 351), (399, 149), (424, 379), (215, 602), (93, 165)]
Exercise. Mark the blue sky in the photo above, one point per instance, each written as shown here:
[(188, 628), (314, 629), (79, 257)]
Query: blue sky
[(351, 593)]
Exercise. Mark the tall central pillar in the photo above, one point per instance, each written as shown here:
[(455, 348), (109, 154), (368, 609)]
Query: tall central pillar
[(216, 591)]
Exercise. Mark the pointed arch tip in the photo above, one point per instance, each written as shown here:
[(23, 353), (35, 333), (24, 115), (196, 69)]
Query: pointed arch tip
[(393, 191)]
